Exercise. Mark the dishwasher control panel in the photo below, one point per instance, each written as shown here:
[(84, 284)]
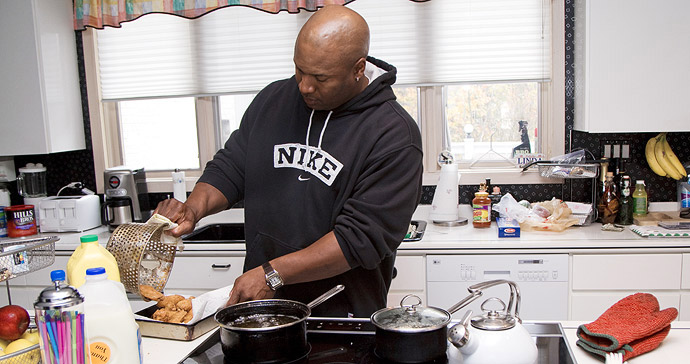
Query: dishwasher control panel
[(481, 268), (541, 278)]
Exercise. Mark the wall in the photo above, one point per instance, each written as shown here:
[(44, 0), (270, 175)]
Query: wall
[(67, 167)]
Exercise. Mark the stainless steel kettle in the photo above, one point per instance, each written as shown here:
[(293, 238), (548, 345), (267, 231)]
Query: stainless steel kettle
[(497, 336)]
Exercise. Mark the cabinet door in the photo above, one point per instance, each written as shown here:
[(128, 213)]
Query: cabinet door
[(626, 272), (587, 307), (410, 278), (684, 314), (198, 275), (685, 280), (39, 82), (629, 77)]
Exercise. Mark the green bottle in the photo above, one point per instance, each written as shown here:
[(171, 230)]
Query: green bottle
[(639, 199)]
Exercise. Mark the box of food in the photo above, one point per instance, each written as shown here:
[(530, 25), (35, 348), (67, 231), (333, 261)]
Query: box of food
[(176, 331), (508, 228)]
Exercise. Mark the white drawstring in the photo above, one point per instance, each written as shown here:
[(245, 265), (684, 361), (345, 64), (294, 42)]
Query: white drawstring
[(323, 130)]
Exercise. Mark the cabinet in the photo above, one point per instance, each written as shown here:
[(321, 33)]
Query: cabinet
[(196, 275), (599, 281), (410, 278), (40, 99), (631, 60)]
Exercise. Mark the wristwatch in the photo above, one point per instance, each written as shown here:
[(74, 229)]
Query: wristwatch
[(273, 280)]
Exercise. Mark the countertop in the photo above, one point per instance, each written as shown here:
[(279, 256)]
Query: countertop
[(439, 239), (673, 349)]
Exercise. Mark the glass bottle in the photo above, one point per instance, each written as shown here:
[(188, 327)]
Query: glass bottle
[(608, 204), (639, 199), (684, 194), (625, 214), (481, 208)]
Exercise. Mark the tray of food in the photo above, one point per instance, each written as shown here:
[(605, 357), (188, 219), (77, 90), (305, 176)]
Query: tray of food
[(170, 317)]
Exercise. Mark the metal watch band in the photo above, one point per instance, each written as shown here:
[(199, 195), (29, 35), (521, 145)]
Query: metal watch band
[(273, 279)]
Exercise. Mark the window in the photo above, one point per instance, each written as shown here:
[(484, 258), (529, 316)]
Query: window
[(462, 64)]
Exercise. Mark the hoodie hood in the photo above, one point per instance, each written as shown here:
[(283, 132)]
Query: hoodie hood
[(377, 92)]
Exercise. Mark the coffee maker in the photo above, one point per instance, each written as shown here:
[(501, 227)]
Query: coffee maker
[(126, 196)]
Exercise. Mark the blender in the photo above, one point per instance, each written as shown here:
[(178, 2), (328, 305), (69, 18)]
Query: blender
[(31, 184)]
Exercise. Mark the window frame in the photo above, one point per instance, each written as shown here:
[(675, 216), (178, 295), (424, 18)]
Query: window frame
[(107, 148)]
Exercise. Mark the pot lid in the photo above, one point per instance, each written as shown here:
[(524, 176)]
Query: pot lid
[(410, 318), (496, 322)]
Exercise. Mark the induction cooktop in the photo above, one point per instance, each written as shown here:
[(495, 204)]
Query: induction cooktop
[(341, 340)]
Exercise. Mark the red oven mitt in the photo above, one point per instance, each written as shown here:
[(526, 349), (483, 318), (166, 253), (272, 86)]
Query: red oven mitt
[(633, 349), (631, 319)]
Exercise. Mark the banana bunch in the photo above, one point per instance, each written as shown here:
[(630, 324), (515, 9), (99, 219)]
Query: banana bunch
[(661, 158)]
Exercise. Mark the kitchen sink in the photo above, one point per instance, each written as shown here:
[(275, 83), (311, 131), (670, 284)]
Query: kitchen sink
[(233, 233), (228, 233)]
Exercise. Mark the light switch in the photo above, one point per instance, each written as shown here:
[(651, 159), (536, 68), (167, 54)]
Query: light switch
[(607, 150), (616, 151), (625, 151)]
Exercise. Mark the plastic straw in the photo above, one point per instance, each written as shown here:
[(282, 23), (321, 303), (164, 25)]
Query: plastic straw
[(66, 322), (84, 343), (53, 337), (80, 344), (46, 342), (73, 329)]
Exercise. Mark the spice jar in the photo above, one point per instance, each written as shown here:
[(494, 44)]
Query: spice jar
[(481, 210)]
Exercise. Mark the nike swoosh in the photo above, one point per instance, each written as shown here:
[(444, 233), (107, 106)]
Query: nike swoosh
[(300, 178)]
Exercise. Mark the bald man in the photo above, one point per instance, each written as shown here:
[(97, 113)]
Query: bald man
[(329, 166)]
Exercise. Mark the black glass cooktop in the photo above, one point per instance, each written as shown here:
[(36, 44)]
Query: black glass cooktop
[(353, 341)]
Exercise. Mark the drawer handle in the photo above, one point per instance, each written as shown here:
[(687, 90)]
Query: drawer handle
[(221, 266)]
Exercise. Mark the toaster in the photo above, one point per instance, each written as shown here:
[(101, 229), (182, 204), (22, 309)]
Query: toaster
[(69, 213)]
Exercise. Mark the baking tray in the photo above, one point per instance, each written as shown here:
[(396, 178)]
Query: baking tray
[(165, 330)]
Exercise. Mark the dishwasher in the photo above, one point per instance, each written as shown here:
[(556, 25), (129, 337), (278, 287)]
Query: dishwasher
[(541, 278)]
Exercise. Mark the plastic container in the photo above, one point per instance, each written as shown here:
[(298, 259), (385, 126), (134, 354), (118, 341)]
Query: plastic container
[(60, 316), (90, 255), (111, 331), (481, 210), (639, 199)]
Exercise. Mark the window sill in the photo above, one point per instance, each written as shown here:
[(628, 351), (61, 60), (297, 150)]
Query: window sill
[(499, 176)]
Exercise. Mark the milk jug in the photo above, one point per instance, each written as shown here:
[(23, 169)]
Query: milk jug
[(111, 331), (90, 255)]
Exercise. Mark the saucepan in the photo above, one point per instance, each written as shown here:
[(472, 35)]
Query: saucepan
[(413, 333), (267, 331)]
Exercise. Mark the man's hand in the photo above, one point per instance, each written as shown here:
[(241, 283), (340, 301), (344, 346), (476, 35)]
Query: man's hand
[(179, 213), (204, 200), (250, 286)]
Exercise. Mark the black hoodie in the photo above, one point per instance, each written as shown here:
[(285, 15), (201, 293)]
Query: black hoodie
[(359, 175)]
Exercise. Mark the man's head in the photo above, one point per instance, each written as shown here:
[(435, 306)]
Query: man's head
[(330, 55)]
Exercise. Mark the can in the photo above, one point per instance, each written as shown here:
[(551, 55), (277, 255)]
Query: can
[(3, 223), (20, 221)]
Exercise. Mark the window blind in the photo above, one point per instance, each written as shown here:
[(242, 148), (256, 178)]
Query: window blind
[(238, 49)]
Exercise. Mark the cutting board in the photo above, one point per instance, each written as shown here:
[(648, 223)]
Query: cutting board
[(653, 218)]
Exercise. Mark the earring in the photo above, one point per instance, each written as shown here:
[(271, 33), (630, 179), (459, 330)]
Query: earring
[(357, 79)]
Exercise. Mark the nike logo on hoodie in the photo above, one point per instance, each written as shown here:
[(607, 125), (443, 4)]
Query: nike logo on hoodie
[(306, 158)]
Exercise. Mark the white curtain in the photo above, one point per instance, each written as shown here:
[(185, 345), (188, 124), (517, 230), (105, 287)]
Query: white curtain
[(239, 49)]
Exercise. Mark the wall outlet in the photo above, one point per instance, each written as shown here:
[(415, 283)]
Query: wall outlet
[(616, 149)]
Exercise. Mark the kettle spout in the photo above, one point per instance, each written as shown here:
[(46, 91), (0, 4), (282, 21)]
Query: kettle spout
[(459, 335)]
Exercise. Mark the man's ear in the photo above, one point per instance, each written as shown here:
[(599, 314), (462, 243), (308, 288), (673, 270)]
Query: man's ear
[(359, 67)]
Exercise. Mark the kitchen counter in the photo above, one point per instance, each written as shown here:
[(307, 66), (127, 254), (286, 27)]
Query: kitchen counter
[(439, 239), (673, 349)]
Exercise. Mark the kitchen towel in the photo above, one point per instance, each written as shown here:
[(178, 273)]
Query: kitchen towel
[(209, 302), (633, 325), (165, 238)]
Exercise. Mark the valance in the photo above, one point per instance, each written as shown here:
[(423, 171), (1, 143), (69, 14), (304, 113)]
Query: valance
[(101, 13)]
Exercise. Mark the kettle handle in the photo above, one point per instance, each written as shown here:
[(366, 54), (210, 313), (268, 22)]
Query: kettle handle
[(514, 294)]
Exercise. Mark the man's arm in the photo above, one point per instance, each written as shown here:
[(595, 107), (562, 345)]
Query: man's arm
[(322, 259), (204, 200)]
